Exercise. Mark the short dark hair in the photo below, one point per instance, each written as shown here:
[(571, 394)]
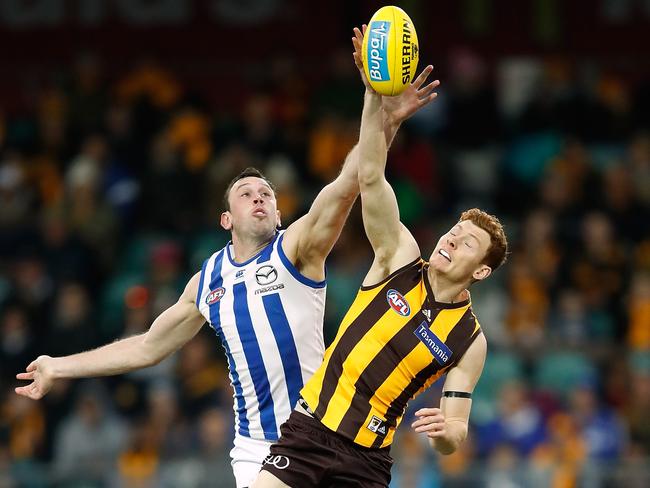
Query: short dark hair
[(497, 253), (244, 174)]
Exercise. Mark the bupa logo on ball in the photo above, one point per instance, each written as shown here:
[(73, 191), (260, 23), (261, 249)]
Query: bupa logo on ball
[(377, 57), (215, 296), (398, 303)]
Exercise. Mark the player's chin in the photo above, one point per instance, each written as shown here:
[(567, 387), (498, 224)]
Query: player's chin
[(264, 229), (440, 264)]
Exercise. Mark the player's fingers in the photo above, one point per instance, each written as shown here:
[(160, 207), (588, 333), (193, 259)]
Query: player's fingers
[(358, 34), (428, 99), (357, 41), (31, 366), (363, 28), (418, 423), (35, 392), (429, 429), (424, 93), (417, 83), (428, 412), (423, 427), (428, 420), (432, 427), (428, 88), (25, 376), (357, 60), (28, 391), (437, 433)]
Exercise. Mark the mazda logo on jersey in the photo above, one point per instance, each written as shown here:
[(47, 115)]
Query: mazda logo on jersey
[(215, 296), (266, 275)]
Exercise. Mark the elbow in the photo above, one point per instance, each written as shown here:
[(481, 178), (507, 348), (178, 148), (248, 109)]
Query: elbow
[(368, 177), (152, 358), (344, 190), (349, 194), (149, 361), (146, 355), (145, 360)]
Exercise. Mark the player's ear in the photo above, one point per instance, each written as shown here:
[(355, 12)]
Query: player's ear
[(278, 220), (482, 272), (226, 220)]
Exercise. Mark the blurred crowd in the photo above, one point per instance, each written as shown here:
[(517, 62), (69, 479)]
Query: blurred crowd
[(110, 194)]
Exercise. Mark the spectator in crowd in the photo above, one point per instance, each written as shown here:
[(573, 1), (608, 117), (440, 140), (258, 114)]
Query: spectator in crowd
[(78, 456)]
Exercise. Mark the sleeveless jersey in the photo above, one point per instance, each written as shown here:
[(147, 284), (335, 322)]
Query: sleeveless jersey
[(393, 343), (269, 318)]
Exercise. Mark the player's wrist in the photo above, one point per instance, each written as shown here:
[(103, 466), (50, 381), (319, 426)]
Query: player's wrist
[(371, 95), (53, 368), (391, 121)]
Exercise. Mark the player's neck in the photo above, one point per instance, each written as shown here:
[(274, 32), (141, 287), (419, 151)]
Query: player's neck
[(446, 291), (245, 247)]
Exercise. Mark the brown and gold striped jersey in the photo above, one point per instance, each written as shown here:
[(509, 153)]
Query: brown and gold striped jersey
[(393, 343)]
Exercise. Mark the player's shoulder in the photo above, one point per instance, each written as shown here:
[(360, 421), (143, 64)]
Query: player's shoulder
[(476, 329), (480, 341), (408, 247), (291, 238), (473, 358), (192, 287), (405, 252)]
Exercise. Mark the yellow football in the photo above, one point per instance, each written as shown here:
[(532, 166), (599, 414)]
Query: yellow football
[(390, 51)]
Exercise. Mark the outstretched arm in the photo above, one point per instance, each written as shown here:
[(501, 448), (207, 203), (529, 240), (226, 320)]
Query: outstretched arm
[(446, 427), (172, 329), (378, 202), (309, 240), (392, 243)]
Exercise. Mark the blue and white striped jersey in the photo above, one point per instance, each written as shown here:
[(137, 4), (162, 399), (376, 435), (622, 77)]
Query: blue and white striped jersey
[(270, 321)]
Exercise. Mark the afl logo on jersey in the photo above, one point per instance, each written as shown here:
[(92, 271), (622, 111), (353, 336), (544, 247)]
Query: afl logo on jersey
[(215, 296), (266, 275), (398, 303)]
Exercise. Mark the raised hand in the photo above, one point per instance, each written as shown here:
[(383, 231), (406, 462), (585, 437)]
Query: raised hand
[(431, 421), (401, 107), (357, 42), (39, 373)]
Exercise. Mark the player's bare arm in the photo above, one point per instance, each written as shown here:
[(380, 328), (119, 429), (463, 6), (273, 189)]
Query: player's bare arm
[(309, 240), (172, 329), (446, 427), (392, 243)]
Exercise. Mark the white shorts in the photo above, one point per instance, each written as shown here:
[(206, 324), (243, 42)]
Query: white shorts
[(247, 457)]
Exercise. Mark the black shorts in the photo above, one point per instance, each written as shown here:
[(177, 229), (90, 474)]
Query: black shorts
[(309, 454)]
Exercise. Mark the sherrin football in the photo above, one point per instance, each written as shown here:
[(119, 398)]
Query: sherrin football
[(390, 51)]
